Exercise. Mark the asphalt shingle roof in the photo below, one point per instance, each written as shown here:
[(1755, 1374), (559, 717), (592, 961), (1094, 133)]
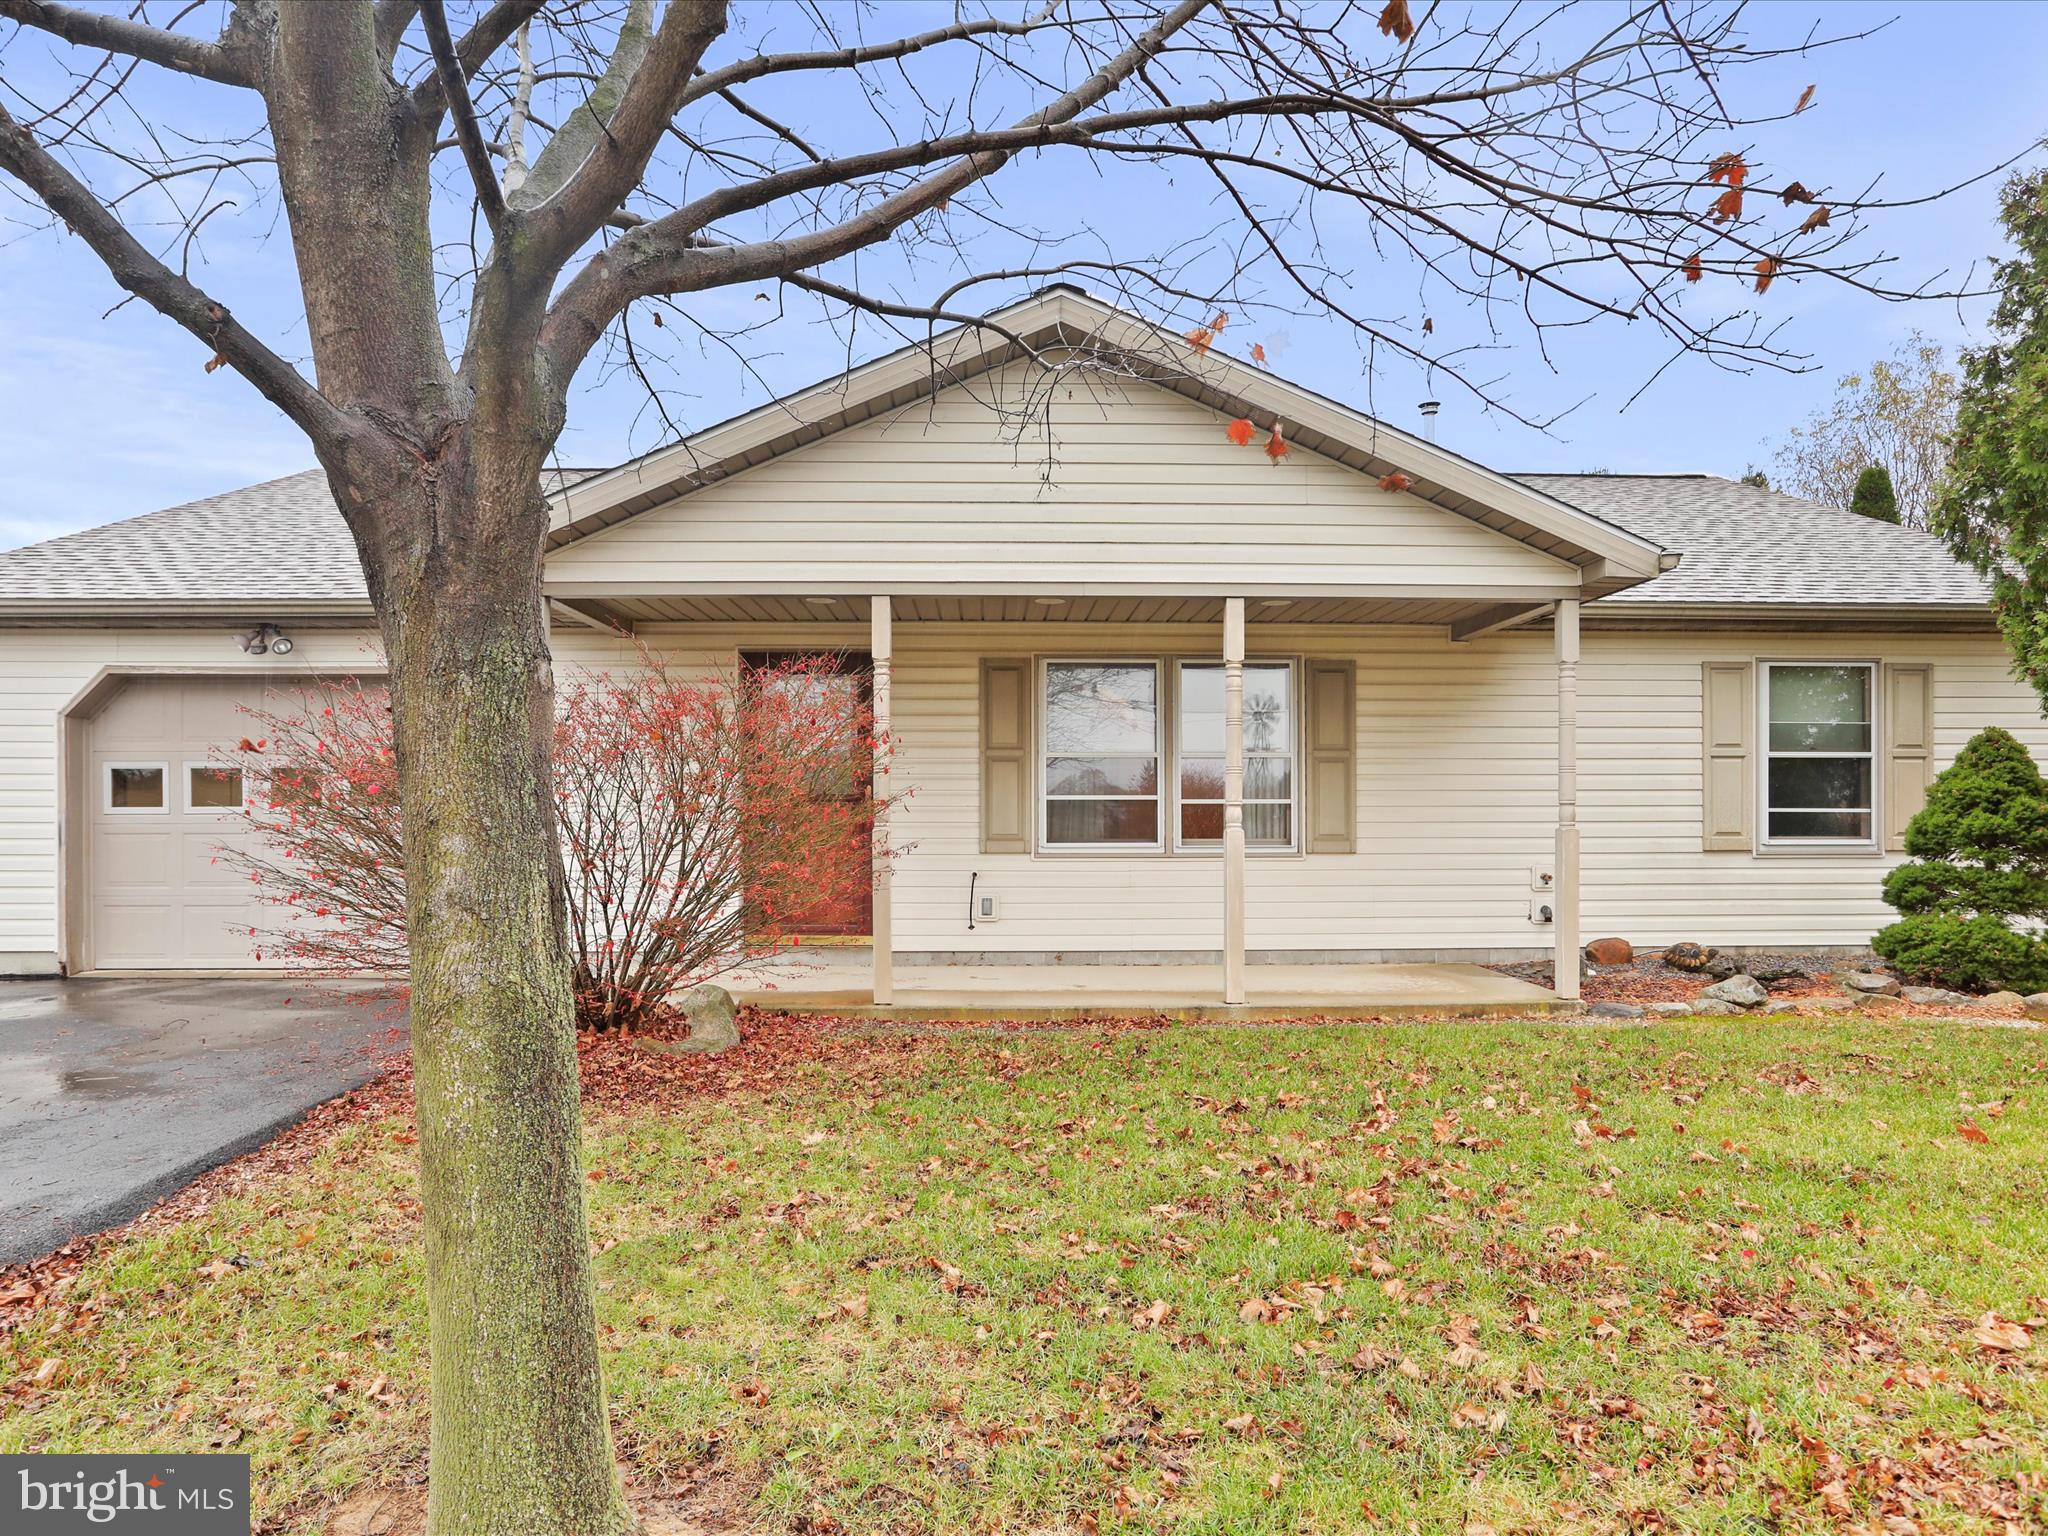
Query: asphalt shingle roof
[(276, 541), (283, 541), (1743, 544)]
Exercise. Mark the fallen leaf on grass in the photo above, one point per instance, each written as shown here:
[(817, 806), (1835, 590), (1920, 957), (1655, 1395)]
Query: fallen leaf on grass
[(1972, 1132), (1995, 1334)]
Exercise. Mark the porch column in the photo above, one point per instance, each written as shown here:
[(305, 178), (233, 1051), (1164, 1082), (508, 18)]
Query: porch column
[(882, 927), (1233, 800), (1565, 898)]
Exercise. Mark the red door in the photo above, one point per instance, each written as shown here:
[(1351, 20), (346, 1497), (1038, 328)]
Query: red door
[(848, 909)]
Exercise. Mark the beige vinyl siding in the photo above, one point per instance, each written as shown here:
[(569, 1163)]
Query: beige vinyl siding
[(1134, 486), (1455, 784), (1456, 788)]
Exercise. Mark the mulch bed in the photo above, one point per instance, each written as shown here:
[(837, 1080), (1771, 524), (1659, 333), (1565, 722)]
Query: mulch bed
[(1790, 976), (1647, 979)]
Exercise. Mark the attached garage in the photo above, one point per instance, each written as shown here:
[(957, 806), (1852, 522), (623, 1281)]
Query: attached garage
[(152, 808)]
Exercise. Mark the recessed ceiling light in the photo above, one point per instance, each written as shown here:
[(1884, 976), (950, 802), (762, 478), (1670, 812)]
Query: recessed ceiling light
[(1276, 602), (821, 602), (1050, 602)]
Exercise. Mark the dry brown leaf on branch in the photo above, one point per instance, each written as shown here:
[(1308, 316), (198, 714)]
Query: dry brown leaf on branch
[(1765, 270), (1814, 220), (1240, 431), (1277, 447), (1730, 168), (1395, 22), (1796, 193), (1805, 100), (1395, 481), (1692, 269)]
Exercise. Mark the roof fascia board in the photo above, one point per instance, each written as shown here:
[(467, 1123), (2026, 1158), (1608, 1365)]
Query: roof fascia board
[(1055, 585)]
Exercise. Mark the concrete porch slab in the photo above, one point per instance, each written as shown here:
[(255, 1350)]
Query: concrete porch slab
[(837, 981)]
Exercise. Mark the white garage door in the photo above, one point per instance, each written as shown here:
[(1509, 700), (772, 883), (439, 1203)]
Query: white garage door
[(159, 811)]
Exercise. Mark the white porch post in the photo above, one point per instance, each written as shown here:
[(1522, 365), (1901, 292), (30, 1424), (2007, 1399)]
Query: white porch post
[(1565, 898), (1233, 800), (882, 929)]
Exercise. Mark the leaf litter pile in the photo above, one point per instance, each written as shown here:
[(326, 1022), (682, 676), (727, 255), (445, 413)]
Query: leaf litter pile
[(1468, 1278)]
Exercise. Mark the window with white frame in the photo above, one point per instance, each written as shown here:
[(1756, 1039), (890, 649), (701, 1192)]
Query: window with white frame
[(1269, 754), (1820, 762), (1101, 750)]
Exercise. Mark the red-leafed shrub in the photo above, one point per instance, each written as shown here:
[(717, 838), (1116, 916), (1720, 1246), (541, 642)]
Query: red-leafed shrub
[(703, 822)]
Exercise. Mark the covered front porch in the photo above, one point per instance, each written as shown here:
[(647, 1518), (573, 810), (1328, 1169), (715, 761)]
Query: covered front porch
[(839, 979), (977, 911)]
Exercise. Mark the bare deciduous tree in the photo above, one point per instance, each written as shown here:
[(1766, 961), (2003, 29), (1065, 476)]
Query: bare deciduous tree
[(1522, 168), (1897, 414)]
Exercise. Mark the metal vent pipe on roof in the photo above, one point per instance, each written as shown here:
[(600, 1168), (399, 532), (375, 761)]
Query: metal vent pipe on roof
[(1429, 408)]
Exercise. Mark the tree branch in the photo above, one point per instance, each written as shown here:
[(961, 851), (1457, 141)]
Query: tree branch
[(490, 32), (664, 256), (141, 274), (596, 158), (393, 17), (463, 110), (845, 58), (116, 34)]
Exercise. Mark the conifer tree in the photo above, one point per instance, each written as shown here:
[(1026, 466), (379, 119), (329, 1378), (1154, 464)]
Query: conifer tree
[(1972, 901), (1874, 497)]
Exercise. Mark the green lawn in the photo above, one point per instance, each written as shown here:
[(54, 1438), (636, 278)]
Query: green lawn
[(1720, 1275)]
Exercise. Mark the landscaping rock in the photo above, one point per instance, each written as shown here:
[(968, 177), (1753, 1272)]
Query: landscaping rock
[(1615, 1011), (2037, 1005), (1868, 982), (713, 1018), (1713, 1008), (1688, 957), (1671, 1010), (1737, 991), (1610, 952), (1721, 967), (2001, 1000), (1776, 975), (1940, 995)]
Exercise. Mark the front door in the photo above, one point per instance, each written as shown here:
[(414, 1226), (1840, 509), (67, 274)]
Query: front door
[(847, 910)]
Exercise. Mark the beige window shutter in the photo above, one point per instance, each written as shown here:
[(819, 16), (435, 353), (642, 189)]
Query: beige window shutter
[(1729, 803), (1006, 818), (1332, 738), (1908, 762)]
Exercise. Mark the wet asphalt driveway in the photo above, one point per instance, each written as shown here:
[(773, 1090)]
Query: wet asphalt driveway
[(115, 1093)]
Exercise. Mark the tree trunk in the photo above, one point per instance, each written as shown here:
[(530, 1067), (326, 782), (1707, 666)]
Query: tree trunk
[(520, 1441)]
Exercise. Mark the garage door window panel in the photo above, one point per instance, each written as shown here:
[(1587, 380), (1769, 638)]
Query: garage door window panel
[(211, 790), (137, 789)]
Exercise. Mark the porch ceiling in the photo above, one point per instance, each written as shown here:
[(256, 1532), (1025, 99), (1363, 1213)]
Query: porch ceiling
[(969, 609)]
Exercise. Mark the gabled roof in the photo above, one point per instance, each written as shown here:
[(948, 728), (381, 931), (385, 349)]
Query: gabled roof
[(1066, 318), (281, 547)]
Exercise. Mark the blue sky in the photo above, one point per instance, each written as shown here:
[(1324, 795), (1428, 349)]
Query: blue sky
[(103, 415)]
